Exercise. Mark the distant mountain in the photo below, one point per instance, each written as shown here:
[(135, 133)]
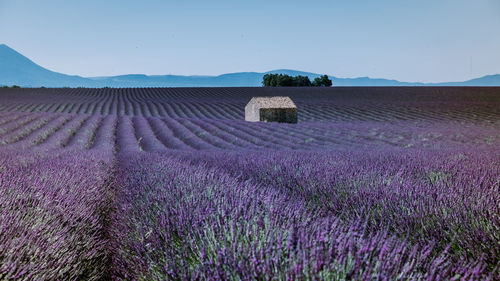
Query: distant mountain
[(16, 69), (488, 80)]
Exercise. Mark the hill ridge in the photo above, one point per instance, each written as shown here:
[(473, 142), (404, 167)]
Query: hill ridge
[(16, 69)]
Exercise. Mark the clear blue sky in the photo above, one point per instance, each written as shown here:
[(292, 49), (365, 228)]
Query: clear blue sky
[(411, 40)]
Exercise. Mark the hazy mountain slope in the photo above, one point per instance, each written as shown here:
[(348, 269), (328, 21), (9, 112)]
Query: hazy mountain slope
[(488, 80), (241, 79), (16, 69)]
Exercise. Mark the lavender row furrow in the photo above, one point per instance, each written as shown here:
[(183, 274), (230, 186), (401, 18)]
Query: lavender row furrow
[(206, 136), (39, 135), (105, 136), (231, 216), (14, 123), (126, 138), (186, 136), (166, 135), (25, 130), (147, 138), (62, 135), (53, 216), (84, 135)]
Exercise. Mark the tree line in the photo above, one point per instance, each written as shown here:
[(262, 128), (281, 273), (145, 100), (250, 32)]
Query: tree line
[(285, 80)]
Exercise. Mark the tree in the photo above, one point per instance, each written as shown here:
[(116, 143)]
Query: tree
[(285, 80), (322, 81), (268, 80), (302, 81)]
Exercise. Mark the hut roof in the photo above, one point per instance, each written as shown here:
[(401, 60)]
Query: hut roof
[(272, 102)]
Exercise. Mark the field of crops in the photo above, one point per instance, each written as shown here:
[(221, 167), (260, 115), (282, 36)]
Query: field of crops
[(173, 184)]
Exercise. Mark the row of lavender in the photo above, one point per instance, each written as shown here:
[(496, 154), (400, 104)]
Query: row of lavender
[(235, 111), (393, 214), (387, 215), (91, 197), (54, 215), (55, 131), (391, 104), (412, 213), (339, 95)]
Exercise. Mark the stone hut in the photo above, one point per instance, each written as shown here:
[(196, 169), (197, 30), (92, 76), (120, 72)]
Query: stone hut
[(271, 109)]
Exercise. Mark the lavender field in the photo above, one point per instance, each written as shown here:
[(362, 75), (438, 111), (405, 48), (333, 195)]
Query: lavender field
[(172, 184)]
